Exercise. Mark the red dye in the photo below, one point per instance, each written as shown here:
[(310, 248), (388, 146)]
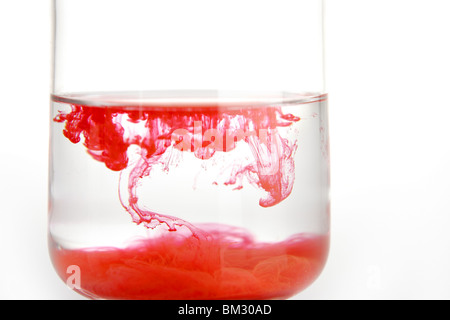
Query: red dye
[(206, 262), (226, 265), (109, 131)]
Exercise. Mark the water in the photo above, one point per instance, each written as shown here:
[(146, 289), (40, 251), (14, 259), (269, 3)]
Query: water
[(202, 173)]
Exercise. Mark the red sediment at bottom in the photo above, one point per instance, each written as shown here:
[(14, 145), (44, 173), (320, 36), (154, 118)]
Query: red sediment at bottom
[(222, 265)]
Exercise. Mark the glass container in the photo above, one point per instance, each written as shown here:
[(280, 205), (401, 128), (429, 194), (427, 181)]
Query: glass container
[(189, 148)]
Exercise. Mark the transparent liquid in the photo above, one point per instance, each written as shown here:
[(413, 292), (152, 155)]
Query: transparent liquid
[(229, 176)]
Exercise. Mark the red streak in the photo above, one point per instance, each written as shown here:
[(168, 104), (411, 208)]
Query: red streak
[(109, 131)]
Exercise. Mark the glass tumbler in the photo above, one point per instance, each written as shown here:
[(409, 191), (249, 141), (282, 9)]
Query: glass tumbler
[(189, 148)]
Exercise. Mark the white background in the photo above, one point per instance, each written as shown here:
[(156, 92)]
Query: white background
[(388, 77)]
